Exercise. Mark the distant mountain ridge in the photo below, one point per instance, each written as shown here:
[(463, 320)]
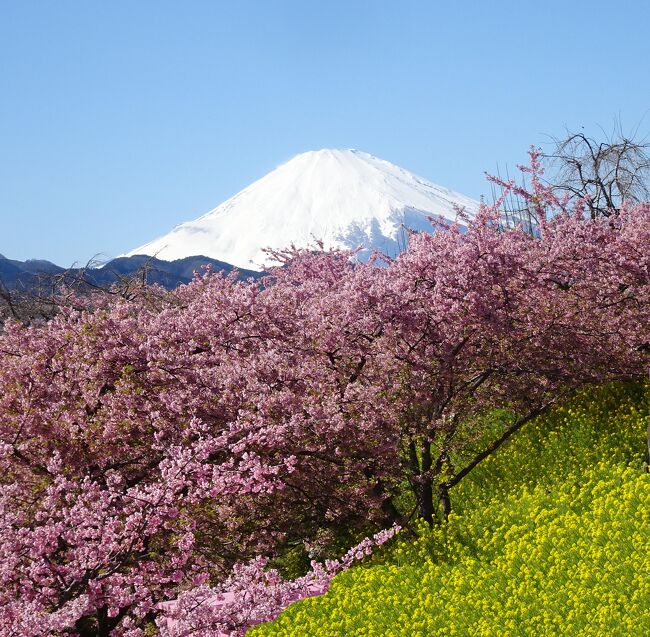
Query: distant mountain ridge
[(37, 273)]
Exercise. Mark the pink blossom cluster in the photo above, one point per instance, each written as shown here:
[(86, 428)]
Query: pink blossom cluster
[(253, 594)]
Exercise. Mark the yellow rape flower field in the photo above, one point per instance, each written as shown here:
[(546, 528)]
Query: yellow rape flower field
[(550, 536)]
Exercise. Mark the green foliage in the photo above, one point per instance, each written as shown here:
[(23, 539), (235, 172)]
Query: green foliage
[(551, 537)]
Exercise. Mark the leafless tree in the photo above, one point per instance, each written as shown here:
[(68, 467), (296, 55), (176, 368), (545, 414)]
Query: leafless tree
[(604, 173), (48, 293), (27, 305)]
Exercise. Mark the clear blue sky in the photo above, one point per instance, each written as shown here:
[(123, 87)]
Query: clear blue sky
[(120, 119)]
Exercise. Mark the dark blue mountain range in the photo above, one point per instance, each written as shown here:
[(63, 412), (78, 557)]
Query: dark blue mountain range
[(36, 274)]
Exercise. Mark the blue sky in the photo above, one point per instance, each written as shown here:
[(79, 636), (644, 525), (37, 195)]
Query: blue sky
[(120, 119)]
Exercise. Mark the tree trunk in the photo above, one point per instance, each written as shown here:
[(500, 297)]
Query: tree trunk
[(390, 511), (103, 623), (445, 500), (86, 627), (425, 495), (99, 624)]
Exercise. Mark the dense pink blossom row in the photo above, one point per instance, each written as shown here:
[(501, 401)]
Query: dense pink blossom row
[(253, 594), (148, 446)]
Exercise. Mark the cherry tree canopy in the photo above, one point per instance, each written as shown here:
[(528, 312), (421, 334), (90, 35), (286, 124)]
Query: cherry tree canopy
[(147, 446)]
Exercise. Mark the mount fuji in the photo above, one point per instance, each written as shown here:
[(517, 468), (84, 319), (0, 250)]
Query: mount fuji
[(344, 198)]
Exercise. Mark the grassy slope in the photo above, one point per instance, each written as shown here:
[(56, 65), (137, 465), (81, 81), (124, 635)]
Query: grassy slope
[(551, 536)]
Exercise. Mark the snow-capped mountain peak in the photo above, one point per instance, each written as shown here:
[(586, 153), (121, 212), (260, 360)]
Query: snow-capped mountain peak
[(345, 198)]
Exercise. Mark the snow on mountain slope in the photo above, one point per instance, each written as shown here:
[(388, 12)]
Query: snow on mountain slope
[(346, 198)]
